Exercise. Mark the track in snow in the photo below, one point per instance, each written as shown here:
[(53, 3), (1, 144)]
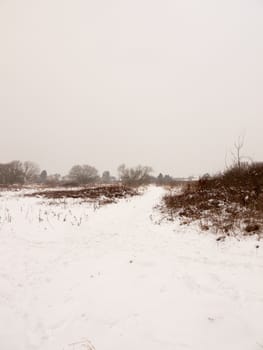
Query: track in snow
[(120, 281)]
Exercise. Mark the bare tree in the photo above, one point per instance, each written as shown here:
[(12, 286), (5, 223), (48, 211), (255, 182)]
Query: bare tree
[(53, 179), (83, 174), (31, 171), (134, 176), (236, 154), (106, 177), (11, 173), (3, 174), (239, 160), (43, 176), (159, 179)]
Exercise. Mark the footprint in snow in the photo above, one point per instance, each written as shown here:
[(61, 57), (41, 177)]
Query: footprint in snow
[(80, 345)]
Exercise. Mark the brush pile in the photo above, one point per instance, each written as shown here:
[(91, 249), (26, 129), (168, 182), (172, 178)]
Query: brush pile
[(103, 193)]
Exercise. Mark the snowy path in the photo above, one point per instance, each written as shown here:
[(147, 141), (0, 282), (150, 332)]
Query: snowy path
[(113, 277)]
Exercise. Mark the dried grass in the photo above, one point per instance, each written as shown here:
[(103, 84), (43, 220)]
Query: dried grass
[(230, 202)]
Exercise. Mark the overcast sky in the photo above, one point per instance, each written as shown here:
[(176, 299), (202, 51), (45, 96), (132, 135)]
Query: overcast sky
[(170, 84)]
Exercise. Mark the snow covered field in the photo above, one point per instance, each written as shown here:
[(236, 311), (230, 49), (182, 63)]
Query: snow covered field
[(72, 275)]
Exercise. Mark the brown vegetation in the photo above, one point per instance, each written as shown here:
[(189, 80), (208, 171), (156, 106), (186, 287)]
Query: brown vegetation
[(230, 202), (104, 193), (136, 176)]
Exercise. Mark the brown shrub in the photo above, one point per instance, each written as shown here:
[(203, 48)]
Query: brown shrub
[(104, 193), (224, 202)]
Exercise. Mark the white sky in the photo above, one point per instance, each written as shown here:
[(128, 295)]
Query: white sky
[(171, 84)]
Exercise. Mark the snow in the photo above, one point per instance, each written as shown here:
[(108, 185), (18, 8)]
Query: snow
[(73, 275)]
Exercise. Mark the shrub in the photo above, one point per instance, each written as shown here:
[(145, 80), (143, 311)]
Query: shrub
[(224, 202)]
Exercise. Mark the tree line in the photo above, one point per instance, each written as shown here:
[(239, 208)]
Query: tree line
[(28, 172)]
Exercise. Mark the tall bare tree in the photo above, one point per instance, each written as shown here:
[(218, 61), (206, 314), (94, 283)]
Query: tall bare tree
[(134, 176), (31, 171), (11, 173), (240, 160), (83, 174)]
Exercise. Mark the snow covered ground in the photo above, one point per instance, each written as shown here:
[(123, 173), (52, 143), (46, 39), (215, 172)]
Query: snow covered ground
[(72, 275)]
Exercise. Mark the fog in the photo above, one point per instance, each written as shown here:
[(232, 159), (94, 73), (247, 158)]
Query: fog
[(170, 84)]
